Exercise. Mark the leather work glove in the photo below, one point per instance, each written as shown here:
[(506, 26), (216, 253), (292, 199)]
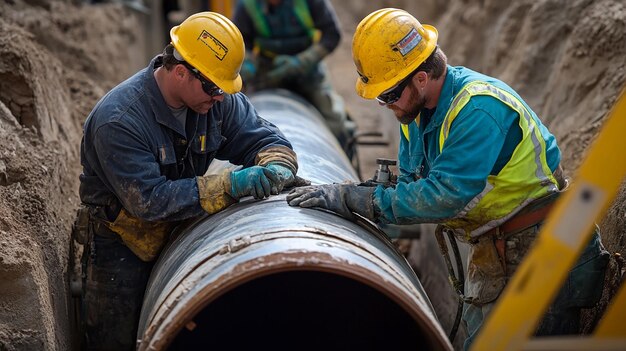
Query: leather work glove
[(286, 178), (284, 162), (254, 181), (343, 199), (286, 66)]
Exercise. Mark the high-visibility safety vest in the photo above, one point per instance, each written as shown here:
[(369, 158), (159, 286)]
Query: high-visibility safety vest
[(525, 177), (301, 9)]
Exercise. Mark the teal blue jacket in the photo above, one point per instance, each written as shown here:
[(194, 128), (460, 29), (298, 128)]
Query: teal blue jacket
[(434, 186)]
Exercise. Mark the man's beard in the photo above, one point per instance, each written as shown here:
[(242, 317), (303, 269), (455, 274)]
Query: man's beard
[(408, 116)]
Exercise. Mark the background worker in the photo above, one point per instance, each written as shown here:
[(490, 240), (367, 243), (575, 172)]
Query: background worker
[(146, 147), (286, 41), (473, 156)]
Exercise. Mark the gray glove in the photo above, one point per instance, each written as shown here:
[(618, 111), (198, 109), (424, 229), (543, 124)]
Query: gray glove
[(343, 199), (287, 66)]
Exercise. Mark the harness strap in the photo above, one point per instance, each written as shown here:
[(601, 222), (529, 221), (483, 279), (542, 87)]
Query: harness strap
[(500, 244)]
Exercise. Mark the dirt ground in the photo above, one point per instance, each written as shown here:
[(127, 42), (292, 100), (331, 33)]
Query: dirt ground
[(567, 58)]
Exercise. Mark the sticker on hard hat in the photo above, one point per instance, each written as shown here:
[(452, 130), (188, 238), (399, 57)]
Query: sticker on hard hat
[(409, 42), (212, 43)]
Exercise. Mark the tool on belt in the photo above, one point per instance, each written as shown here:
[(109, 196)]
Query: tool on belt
[(486, 279), (528, 217)]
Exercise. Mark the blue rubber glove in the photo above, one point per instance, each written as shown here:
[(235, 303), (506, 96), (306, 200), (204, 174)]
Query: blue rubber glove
[(285, 177), (254, 181)]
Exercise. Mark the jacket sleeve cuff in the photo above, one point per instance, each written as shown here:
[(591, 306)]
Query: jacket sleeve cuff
[(280, 155)]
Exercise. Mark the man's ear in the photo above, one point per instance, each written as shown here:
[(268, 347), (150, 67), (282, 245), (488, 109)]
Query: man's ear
[(421, 78), (180, 71)]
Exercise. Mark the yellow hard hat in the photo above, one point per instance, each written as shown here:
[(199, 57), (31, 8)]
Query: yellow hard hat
[(211, 43), (387, 46)]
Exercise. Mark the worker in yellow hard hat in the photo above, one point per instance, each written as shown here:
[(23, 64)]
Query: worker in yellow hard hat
[(286, 42), (473, 156), (146, 147)]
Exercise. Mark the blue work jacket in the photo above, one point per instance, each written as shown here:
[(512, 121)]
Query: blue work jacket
[(437, 185), (136, 155)]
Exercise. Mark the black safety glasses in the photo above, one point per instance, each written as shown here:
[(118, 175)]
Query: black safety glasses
[(394, 94), (207, 86)]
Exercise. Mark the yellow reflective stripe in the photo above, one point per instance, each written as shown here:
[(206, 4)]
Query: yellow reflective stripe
[(481, 88), (301, 9), (405, 131), (510, 190), (256, 15), (202, 143), (474, 202), (405, 128), (542, 171), (460, 100)]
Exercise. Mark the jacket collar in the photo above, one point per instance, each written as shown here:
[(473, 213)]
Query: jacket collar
[(161, 111), (445, 99)]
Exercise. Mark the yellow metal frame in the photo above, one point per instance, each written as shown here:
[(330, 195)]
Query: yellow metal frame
[(566, 232)]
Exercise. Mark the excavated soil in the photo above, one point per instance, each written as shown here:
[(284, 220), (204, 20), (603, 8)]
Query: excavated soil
[(567, 58)]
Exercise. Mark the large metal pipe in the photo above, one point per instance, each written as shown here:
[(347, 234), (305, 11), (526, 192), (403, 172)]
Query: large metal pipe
[(262, 274)]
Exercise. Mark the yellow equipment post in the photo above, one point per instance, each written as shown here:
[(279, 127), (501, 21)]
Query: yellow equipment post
[(566, 232)]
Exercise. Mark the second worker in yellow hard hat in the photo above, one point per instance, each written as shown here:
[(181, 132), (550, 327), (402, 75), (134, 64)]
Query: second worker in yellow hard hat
[(473, 157)]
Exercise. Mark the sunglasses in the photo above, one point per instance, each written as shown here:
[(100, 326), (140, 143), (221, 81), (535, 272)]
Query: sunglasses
[(208, 87), (394, 94)]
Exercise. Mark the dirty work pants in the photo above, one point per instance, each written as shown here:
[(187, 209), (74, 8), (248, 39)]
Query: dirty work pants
[(582, 289), (113, 292)]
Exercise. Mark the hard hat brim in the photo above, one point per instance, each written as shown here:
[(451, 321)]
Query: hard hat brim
[(230, 86)]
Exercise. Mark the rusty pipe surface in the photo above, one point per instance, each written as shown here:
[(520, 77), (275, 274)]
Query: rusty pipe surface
[(263, 274)]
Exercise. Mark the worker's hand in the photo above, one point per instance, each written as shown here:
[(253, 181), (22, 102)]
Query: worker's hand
[(285, 66), (286, 178), (343, 199), (311, 57), (254, 181), (284, 175)]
